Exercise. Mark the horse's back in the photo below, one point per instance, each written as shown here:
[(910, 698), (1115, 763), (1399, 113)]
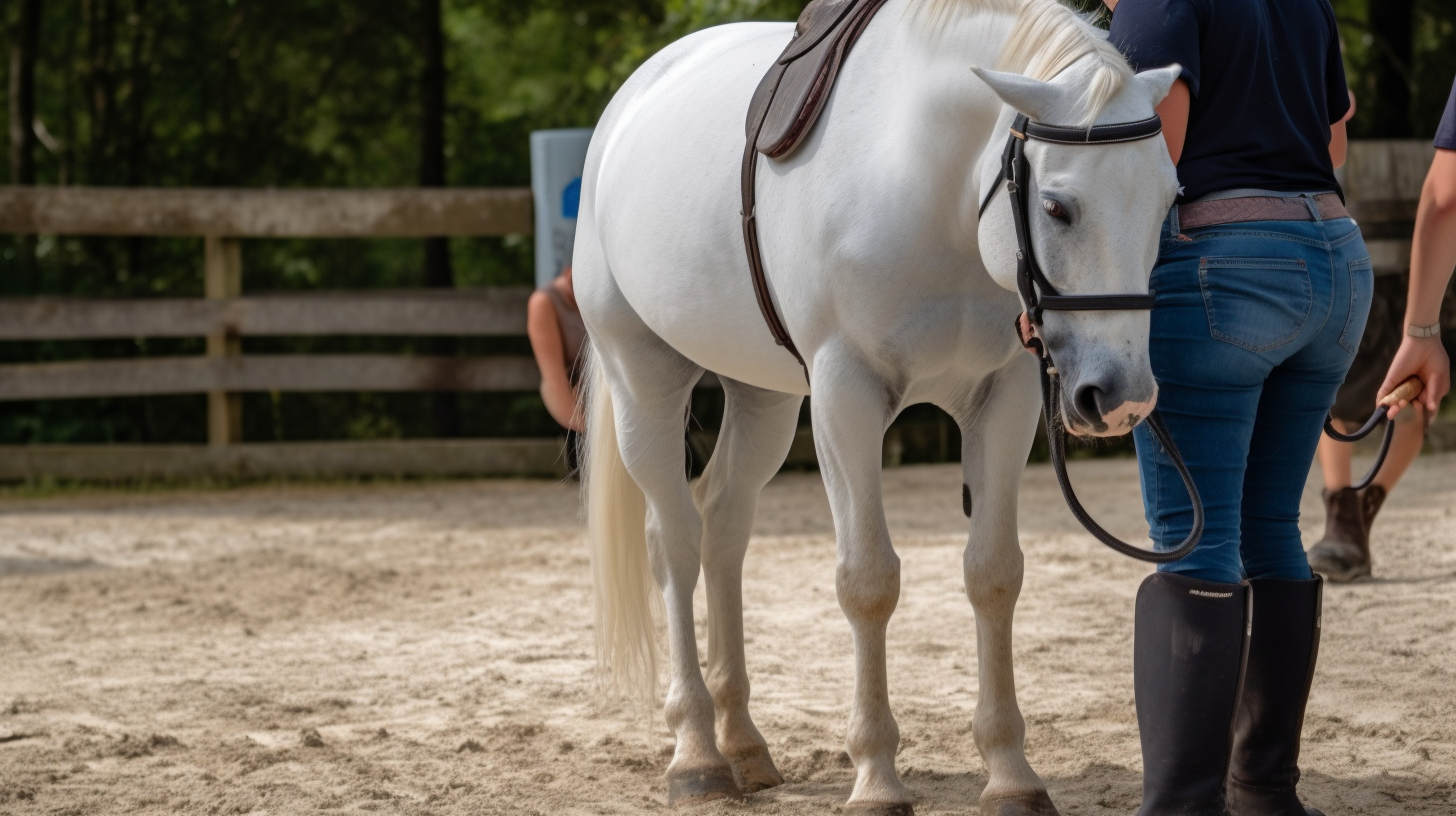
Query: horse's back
[(663, 184)]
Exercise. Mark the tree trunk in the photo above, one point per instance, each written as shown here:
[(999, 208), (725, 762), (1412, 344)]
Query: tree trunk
[(138, 69), (23, 45), (438, 272), (1389, 114)]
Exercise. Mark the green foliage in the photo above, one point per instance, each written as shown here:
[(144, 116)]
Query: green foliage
[(325, 93), (1428, 73), (304, 93)]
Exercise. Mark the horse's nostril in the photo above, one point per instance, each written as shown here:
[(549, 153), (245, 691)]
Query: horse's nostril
[(1089, 402)]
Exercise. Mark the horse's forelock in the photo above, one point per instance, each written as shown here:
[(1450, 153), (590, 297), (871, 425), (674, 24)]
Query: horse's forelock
[(1047, 39)]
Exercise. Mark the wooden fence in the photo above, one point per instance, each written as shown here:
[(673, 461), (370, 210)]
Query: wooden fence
[(222, 218), (1382, 180)]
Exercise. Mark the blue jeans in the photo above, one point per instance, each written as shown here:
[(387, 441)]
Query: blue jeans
[(1254, 327)]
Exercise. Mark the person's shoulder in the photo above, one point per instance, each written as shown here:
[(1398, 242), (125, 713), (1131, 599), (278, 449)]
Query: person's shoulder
[(1140, 7), (1159, 13), (1327, 13), (539, 306)]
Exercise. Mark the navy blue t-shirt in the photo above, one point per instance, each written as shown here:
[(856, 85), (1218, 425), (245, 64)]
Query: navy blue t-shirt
[(1446, 131), (1267, 83)]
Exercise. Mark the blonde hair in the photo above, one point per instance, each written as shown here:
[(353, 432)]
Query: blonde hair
[(1047, 38)]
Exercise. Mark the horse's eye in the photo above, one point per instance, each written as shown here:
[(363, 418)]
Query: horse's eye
[(1055, 209)]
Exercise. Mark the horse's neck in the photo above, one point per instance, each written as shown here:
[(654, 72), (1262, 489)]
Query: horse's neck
[(940, 124)]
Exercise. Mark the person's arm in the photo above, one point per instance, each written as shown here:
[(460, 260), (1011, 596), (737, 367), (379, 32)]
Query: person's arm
[(1155, 33), (1433, 256), (545, 333), (1339, 138), (1173, 110), (1339, 144)]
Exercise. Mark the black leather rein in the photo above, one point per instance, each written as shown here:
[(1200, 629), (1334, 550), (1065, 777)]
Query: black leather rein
[(1038, 295)]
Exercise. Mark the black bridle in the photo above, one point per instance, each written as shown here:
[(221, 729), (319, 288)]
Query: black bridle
[(1038, 295)]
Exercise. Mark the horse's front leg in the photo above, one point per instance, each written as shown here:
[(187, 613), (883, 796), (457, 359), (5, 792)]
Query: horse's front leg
[(997, 427), (852, 408)]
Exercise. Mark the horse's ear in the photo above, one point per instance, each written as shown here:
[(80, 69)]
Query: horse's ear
[(1038, 100), (1158, 81)]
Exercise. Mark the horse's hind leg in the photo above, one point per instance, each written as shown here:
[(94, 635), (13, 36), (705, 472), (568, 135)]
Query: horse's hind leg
[(997, 428), (651, 385), (758, 427)]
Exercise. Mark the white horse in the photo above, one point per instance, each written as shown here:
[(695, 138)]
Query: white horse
[(896, 293)]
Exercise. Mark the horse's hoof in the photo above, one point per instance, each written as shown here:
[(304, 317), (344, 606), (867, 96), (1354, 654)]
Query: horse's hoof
[(756, 772), (700, 785), (879, 809), (1036, 804)]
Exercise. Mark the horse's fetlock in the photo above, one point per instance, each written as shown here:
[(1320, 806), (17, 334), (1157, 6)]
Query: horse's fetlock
[(868, 739), (728, 688), (997, 731), (682, 708)]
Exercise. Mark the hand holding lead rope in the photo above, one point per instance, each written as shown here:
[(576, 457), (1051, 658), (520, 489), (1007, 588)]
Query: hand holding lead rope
[(1406, 392)]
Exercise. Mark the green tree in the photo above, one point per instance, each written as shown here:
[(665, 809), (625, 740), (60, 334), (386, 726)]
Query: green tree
[(353, 93)]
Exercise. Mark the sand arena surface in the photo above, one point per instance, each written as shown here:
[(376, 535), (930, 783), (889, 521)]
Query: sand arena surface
[(426, 649)]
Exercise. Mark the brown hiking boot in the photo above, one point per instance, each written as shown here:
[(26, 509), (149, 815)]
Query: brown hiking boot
[(1344, 553), (1371, 498)]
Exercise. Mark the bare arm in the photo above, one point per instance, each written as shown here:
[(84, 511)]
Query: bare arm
[(1173, 110), (1339, 143), (1339, 138), (545, 333), (1433, 256)]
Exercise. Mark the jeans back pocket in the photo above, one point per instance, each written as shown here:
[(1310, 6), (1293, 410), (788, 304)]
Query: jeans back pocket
[(1255, 303)]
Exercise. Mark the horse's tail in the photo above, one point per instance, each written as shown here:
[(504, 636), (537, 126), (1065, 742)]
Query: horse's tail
[(627, 602)]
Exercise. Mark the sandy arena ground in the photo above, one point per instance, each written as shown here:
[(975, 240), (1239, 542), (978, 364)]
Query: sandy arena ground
[(426, 649)]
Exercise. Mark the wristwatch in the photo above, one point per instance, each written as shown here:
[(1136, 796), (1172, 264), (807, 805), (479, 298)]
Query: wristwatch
[(1423, 331)]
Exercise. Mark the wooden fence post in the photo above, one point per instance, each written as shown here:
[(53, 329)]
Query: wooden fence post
[(223, 280)]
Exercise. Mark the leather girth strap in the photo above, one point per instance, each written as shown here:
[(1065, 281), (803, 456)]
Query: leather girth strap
[(785, 107)]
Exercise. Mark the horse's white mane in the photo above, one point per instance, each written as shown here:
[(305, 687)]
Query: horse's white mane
[(1048, 38)]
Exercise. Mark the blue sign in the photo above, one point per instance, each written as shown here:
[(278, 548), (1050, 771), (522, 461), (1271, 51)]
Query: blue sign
[(557, 160), (571, 199)]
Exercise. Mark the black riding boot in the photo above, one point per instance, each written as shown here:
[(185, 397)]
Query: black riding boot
[(1283, 643), (1189, 650)]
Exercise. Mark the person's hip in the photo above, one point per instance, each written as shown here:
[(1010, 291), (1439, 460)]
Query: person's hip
[(1265, 288)]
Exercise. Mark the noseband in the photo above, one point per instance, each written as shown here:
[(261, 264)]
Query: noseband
[(1039, 295)]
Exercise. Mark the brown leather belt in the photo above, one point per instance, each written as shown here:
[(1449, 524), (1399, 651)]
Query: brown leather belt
[(1259, 208)]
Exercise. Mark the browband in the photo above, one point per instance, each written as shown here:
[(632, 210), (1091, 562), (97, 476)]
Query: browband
[(1062, 134), (1097, 134)]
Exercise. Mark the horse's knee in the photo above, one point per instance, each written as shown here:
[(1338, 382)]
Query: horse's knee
[(993, 575), (869, 586)]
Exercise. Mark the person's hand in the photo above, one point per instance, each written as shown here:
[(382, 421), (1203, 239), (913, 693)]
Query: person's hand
[(1423, 357)]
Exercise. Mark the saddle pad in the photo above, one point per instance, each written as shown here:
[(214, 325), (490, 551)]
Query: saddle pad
[(792, 94)]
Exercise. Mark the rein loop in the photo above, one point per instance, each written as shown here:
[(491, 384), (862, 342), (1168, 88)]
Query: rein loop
[(1409, 389)]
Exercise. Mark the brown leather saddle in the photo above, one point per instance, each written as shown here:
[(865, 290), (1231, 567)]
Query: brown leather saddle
[(784, 109)]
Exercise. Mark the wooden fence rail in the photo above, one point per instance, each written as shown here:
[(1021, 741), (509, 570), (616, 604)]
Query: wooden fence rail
[(405, 213), (221, 218), (462, 312), (270, 372), (1382, 180)]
